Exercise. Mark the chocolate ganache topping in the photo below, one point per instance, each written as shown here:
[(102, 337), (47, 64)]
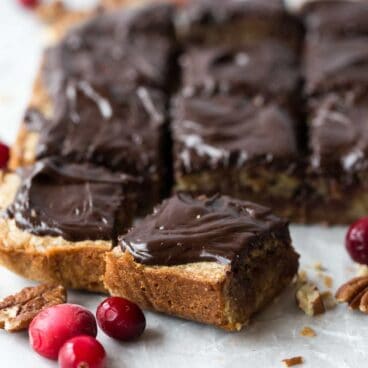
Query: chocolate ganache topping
[(76, 202), (184, 229), (339, 132), (230, 131), (114, 127), (336, 64), (220, 11), (268, 68), (336, 18), (129, 48)]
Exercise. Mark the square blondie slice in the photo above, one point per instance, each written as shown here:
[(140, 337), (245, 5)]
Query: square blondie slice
[(233, 22), (246, 148), (120, 129), (127, 49), (215, 260), (338, 169), (268, 68), (59, 219)]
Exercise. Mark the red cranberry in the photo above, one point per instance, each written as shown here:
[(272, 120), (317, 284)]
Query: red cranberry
[(29, 3), (121, 319), (4, 155), (82, 351), (53, 326), (357, 241)]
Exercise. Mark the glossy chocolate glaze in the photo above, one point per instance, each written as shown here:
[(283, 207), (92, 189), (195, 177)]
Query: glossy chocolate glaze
[(126, 48), (336, 64), (252, 20), (231, 131), (339, 132), (184, 229), (336, 18), (268, 68), (76, 202), (120, 129), (207, 12)]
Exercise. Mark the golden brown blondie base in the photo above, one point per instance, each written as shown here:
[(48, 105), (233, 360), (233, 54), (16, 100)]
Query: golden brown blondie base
[(206, 292), (78, 265)]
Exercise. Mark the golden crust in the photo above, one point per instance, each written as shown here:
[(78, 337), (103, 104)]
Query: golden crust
[(22, 153), (78, 265), (59, 18), (168, 289), (205, 292)]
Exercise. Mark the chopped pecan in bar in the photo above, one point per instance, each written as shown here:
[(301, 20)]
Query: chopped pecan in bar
[(18, 310)]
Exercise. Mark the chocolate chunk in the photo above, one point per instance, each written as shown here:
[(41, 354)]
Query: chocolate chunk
[(223, 131), (336, 64), (268, 68), (76, 202), (185, 229), (339, 132)]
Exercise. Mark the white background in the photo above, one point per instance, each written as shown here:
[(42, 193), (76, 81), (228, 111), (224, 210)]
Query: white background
[(342, 336)]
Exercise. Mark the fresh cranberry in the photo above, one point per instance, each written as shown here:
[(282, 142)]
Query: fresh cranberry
[(29, 3), (82, 351), (356, 241), (4, 155), (53, 326), (121, 319)]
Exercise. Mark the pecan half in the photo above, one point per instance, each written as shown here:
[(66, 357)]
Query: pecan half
[(355, 293), (17, 311)]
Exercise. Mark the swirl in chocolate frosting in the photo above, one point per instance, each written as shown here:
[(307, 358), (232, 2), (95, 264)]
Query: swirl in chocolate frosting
[(185, 229), (339, 133), (118, 128), (268, 68), (231, 131)]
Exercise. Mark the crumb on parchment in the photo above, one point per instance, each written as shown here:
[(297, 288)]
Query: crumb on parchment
[(291, 362), (307, 332)]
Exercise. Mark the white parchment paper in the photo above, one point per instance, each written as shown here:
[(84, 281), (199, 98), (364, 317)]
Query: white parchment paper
[(342, 336)]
